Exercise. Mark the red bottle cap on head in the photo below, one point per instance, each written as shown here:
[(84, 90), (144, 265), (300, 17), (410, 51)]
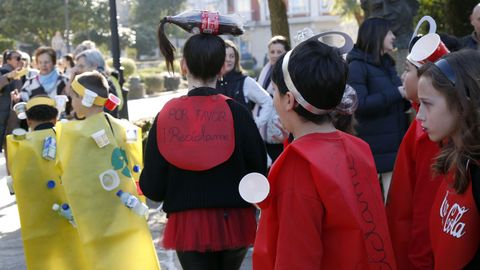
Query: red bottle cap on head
[(112, 102)]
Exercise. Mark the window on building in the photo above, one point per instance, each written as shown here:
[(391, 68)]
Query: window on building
[(325, 7), (244, 8), (298, 7)]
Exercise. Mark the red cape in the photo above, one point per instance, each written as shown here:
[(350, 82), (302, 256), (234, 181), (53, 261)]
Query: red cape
[(410, 199), (325, 209)]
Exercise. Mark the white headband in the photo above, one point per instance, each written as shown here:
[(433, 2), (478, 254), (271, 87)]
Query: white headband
[(291, 87), (288, 80)]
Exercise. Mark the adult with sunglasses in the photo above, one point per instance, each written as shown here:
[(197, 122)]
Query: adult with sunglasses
[(8, 83)]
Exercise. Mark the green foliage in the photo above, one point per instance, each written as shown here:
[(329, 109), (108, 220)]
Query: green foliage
[(6, 43), (451, 16), (146, 17), (37, 21), (153, 83), (349, 9), (129, 66)]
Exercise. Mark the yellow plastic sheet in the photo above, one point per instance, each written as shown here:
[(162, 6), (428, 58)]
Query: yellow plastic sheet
[(49, 240), (113, 236)]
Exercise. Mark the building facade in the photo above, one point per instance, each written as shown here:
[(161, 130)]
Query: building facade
[(313, 14)]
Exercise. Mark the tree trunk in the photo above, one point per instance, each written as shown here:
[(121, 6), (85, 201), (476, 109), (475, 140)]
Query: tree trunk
[(279, 19)]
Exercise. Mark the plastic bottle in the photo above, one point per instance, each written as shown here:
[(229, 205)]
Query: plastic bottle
[(196, 21), (133, 203), (10, 185), (65, 211)]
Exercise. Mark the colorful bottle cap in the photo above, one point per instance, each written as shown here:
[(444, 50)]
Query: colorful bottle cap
[(136, 168), (50, 184), (65, 206), (119, 192), (112, 102)]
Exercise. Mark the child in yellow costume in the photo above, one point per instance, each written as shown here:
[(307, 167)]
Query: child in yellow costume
[(49, 240), (96, 173)]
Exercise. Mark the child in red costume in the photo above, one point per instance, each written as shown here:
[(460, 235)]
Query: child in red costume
[(449, 95), (413, 187), (325, 208)]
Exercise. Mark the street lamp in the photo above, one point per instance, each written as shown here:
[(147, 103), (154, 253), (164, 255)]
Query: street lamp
[(67, 26), (116, 56)]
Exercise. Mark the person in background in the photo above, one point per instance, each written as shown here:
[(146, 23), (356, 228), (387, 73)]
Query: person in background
[(242, 88), (90, 60), (381, 116), (49, 81), (66, 65), (272, 131), (449, 95), (324, 195), (194, 163), (9, 83), (58, 44), (414, 186)]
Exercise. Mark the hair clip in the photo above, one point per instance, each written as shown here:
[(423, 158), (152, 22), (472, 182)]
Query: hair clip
[(446, 70)]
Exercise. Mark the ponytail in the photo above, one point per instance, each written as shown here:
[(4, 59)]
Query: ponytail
[(166, 47)]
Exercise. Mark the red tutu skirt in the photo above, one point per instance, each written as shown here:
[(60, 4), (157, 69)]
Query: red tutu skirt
[(210, 229)]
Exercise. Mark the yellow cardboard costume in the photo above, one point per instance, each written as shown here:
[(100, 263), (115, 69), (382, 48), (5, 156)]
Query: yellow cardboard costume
[(113, 236), (134, 149), (49, 240)]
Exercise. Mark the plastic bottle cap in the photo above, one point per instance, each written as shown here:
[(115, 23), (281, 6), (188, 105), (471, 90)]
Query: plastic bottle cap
[(65, 206), (136, 168), (119, 193), (50, 184)]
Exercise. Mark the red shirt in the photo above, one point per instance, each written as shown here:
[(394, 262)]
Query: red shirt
[(324, 209), (410, 199)]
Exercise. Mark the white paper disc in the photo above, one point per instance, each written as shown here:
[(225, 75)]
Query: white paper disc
[(254, 187)]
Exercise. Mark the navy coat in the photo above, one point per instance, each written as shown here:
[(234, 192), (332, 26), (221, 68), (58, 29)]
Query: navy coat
[(381, 112)]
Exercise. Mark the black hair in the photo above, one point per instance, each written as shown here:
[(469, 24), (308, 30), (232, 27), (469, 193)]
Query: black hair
[(463, 97), (319, 73), (69, 59), (42, 113), (204, 55), (95, 82), (7, 54), (371, 34)]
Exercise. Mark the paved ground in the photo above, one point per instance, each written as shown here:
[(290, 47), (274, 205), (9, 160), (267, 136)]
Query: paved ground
[(11, 249)]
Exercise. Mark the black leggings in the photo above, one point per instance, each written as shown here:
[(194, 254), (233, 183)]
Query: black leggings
[(230, 259)]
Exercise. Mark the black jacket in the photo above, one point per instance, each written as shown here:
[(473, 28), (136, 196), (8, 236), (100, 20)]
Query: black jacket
[(382, 121)]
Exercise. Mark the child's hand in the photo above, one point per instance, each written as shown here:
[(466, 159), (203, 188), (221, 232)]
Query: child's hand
[(15, 96)]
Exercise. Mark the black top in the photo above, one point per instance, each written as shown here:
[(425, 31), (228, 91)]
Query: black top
[(43, 126), (214, 188), (475, 173)]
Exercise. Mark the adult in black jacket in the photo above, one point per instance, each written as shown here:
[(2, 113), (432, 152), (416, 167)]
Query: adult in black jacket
[(381, 116), (8, 83)]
